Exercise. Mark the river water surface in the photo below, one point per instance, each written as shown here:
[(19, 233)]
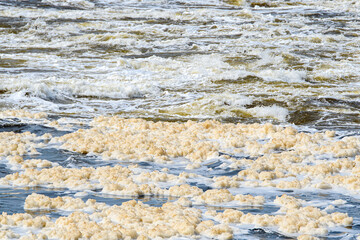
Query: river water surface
[(197, 73)]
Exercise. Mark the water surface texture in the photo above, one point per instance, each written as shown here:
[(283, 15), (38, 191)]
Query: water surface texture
[(68, 67)]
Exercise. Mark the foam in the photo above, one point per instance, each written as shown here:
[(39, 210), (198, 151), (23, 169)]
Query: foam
[(313, 221), (281, 158), (64, 90), (16, 162), (23, 114), (19, 143), (290, 76), (200, 142), (163, 79), (226, 104), (274, 111), (76, 3), (297, 219), (186, 59), (170, 220)]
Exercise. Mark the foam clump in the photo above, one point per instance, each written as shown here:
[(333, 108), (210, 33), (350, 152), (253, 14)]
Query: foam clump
[(115, 180), (112, 180), (17, 162), (140, 140), (216, 196), (12, 144), (226, 182), (8, 234), (23, 114), (280, 154), (307, 237), (117, 138), (264, 156), (294, 219), (39, 201), (288, 202), (71, 178), (132, 219), (185, 190)]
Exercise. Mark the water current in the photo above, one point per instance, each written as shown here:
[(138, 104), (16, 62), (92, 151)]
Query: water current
[(213, 109)]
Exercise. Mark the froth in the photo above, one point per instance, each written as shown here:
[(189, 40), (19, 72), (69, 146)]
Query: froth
[(266, 157), (290, 76), (76, 3), (274, 111)]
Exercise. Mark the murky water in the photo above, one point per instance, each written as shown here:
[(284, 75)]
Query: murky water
[(289, 63)]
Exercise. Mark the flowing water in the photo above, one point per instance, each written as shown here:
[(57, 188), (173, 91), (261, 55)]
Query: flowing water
[(288, 63)]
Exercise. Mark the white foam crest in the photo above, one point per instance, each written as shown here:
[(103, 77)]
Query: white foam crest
[(212, 105), (342, 5), (113, 89), (274, 111), (290, 76), (39, 90), (36, 25), (111, 44), (338, 71), (194, 70), (61, 89), (231, 99), (50, 13), (70, 3), (269, 58)]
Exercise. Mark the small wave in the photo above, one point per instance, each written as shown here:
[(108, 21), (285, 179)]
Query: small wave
[(214, 105), (40, 91), (83, 4), (290, 76), (274, 111), (115, 91)]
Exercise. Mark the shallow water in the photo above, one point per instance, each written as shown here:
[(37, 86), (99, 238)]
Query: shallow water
[(289, 63)]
